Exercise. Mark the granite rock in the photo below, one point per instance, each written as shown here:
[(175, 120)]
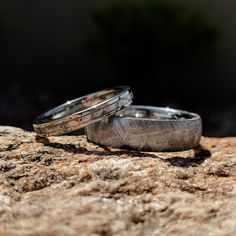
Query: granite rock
[(68, 186)]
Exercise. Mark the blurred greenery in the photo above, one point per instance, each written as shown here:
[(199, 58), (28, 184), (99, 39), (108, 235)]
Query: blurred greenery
[(145, 36)]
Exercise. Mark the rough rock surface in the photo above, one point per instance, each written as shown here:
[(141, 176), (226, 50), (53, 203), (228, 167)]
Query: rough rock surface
[(67, 186)]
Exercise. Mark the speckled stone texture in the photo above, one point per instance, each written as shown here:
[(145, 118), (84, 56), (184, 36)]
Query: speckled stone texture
[(67, 186)]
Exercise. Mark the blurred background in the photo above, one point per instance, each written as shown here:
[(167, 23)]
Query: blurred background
[(179, 54)]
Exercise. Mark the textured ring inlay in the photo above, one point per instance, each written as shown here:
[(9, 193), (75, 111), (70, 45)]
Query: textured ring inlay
[(83, 111), (148, 128)]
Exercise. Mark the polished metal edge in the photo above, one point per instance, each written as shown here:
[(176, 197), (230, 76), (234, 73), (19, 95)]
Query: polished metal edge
[(76, 121)]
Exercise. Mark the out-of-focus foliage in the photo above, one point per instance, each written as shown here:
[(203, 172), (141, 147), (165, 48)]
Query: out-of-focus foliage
[(147, 34)]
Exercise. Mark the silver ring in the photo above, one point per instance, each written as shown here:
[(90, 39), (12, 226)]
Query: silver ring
[(82, 111), (149, 129)]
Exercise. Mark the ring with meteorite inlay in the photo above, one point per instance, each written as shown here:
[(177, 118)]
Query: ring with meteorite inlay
[(148, 128), (83, 111)]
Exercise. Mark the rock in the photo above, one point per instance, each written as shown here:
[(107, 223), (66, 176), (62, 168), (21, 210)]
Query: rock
[(67, 186)]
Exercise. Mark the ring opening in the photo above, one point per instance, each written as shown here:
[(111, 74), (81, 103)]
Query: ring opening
[(78, 105), (157, 114)]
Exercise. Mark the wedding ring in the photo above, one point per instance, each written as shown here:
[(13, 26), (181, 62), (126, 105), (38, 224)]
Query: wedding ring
[(148, 128), (82, 111)]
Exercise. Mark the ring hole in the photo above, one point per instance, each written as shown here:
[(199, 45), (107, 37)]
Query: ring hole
[(162, 114), (77, 105)]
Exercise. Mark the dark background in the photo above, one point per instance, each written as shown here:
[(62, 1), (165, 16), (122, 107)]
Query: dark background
[(172, 53)]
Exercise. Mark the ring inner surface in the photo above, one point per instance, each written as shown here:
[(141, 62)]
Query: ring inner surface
[(80, 104), (157, 114)]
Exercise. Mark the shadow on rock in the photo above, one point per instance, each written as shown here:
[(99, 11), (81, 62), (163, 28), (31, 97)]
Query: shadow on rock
[(200, 155)]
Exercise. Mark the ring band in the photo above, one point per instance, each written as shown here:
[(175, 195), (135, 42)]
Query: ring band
[(149, 129), (82, 111)]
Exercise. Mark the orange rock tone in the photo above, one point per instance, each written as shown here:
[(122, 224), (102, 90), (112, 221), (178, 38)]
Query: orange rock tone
[(67, 186)]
